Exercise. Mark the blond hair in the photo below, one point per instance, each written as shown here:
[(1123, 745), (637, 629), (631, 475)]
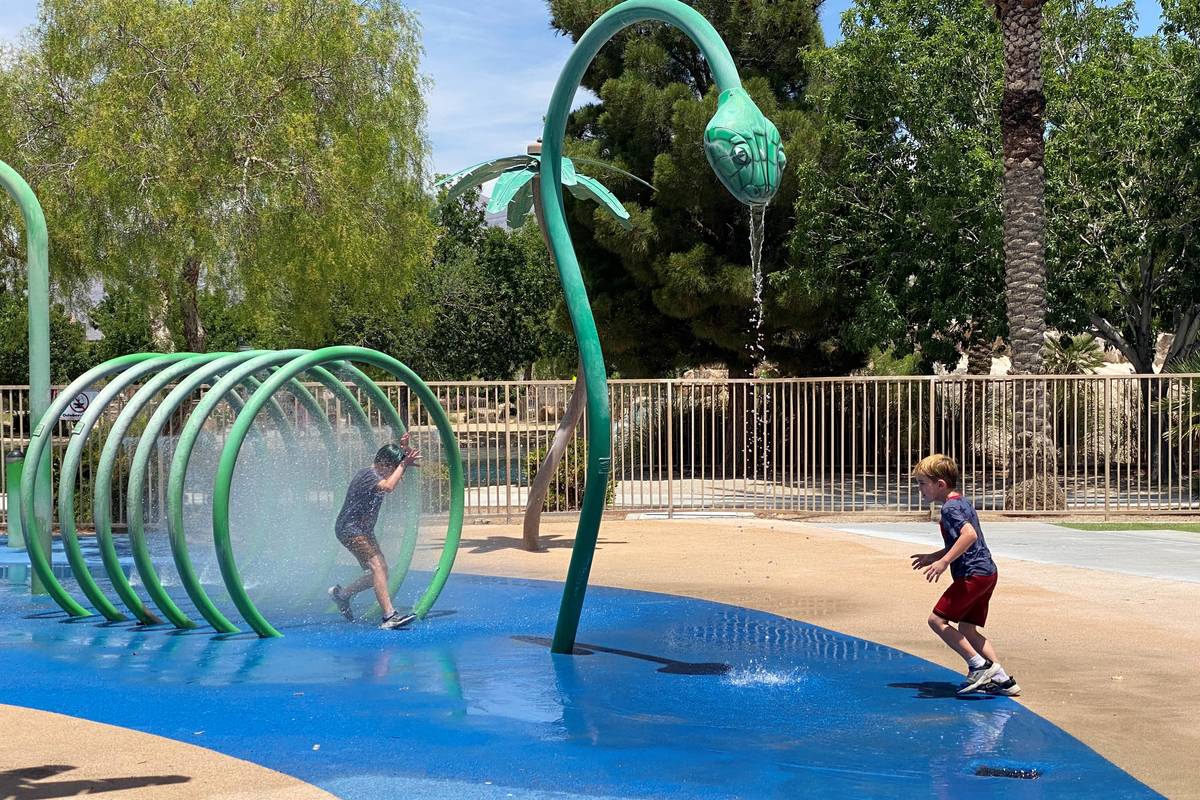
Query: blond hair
[(938, 467)]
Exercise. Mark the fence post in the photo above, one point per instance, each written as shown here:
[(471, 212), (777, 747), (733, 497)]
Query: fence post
[(670, 448), (507, 456), (1107, 442), (932, 416)]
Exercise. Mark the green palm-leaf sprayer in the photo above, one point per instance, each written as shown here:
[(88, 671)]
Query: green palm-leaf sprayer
[(743, 149), (247, 382)]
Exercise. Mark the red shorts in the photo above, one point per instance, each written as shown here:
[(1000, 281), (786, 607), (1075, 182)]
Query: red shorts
[(967, 600)]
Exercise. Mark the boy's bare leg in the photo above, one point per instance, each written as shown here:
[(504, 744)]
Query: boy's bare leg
[(981, 643), (379, 576), (951, 636), (364, 582)]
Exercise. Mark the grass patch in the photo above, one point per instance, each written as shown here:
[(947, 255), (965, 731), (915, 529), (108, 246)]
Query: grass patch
[(1186, 527)]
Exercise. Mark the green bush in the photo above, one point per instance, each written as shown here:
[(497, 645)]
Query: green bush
[(435, 487)]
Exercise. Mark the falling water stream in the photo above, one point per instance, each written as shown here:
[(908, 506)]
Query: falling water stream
[(758, 216), (758, 351)]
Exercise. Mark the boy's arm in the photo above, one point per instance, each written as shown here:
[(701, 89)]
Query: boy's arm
[(966, 538), (925, 559), (389, 484)]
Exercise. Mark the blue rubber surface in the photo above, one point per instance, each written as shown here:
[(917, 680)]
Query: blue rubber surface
[(677, 698)]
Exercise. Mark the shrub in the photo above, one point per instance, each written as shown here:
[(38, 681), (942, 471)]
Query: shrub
[(565, 492)]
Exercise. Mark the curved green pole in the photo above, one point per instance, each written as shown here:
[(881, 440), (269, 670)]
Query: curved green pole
[(70, 467), (102, 490), (187, 439), (138, 469), (183, 451), (599, 438), (102, 497), (241, 426), (37, 279), (35, 528)]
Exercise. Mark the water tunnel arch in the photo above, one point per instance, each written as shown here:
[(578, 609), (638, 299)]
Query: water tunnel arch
[(101, 497), (237, 369), (241, 427), (130, 368), (196, 370), (71, 461), (38, 441), (209, 367), (199, 374)]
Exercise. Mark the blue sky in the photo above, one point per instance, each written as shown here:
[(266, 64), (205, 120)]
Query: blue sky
[(492, 67)]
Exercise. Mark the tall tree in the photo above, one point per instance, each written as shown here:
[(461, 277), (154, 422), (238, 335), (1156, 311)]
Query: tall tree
[(677, 289), (898, 211), (70, 352), (485, 306), (1024, 185), (270, 149), (1124, 186)]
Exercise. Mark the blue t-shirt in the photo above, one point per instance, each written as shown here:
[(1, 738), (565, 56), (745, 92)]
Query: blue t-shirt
[(361, 506), (977, 559)]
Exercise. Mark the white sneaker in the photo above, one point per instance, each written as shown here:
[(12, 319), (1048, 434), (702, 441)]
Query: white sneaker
[(978, 677), (396, 620)]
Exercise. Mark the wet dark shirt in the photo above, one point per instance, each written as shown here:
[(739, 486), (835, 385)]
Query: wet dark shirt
[(360, 509), (977, 559)]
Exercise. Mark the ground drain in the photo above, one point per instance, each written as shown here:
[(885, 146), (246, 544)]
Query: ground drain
[(1008, 772)]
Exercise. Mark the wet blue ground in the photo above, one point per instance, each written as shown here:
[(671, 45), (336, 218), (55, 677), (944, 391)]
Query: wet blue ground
[(675, 698)]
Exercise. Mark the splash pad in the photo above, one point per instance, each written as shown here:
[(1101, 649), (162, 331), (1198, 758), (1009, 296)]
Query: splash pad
[(665, 696)]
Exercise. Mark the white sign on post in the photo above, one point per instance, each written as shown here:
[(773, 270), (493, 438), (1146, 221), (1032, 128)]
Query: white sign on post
[(80, 404)]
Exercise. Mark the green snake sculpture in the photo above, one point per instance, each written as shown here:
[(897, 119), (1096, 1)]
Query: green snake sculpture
[(743, 149)]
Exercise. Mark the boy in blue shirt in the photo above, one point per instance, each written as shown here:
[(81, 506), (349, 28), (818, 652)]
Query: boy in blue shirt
[(355, 529), (974, 572)]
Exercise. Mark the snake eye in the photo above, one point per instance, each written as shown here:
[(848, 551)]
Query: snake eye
[(741, 155), (781, 159)]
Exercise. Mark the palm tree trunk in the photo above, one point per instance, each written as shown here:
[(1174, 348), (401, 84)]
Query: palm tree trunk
[(1032, 485), (979, 357), (1023, 203), (540, 485)]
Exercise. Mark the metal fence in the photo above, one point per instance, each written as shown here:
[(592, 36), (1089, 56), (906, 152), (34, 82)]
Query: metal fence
[(1111, 445)]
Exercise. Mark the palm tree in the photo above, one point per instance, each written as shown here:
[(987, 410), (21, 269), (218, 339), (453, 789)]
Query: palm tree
[(1178, 416), (1073, 355), (517, 189), (1023, 201), (1023, 208)]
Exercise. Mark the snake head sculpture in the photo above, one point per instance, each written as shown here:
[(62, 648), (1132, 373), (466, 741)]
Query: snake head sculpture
[(743, 148)]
